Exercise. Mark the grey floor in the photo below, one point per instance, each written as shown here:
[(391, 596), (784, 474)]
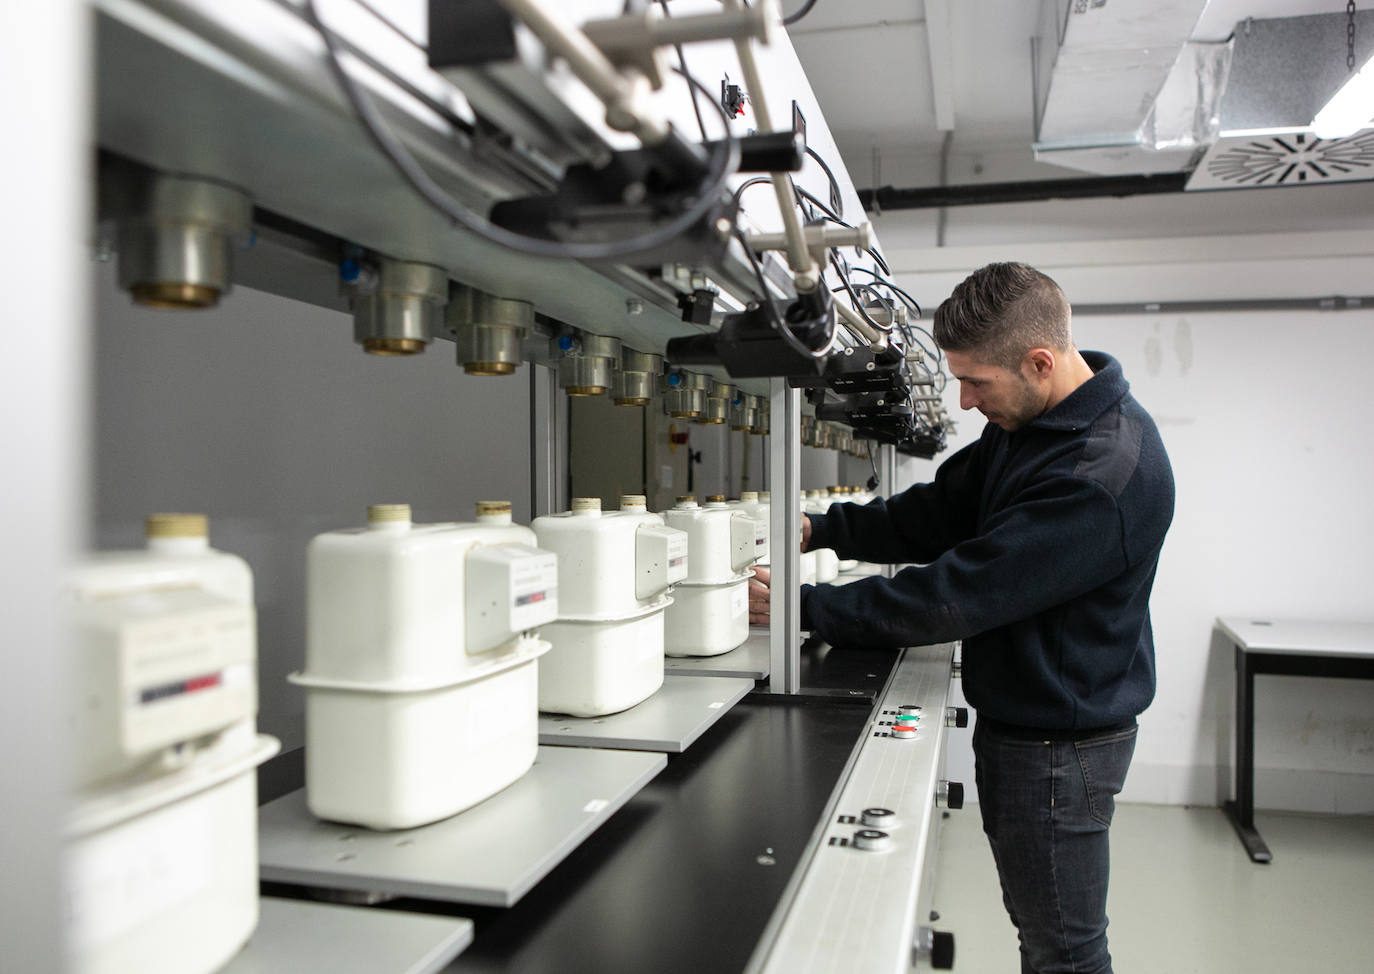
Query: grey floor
[(1185, 899)]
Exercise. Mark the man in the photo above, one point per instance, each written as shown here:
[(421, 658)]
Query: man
[(1037, 546)]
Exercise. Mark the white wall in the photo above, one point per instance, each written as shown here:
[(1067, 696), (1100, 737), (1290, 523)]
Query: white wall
[(264, 414), (1266, 419), (45, 54)]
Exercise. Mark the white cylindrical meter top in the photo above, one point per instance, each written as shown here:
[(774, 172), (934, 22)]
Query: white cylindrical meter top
[(388, 517), (177, 534), (634, 503), (493, 512), (586, 507)]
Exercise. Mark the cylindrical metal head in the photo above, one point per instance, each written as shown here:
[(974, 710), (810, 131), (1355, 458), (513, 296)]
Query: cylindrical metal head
[(487, 330), (176, 239), (401, 316)]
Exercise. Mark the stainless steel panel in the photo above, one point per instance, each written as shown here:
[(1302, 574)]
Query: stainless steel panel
[(294, 936), (492, 854), (749, 661), (856, 910), (680, 712)]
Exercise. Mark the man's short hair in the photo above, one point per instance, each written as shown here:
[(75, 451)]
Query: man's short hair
[(1001, 311)]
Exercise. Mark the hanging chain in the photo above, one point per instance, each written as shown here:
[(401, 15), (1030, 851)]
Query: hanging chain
[(1350, 34)]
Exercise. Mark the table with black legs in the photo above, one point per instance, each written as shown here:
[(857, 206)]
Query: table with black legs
[(1284, 647)]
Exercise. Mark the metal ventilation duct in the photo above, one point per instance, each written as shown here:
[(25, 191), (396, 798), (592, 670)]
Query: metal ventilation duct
[(1283, 72), (1099, 70), (1230, 112), (1296, 159)]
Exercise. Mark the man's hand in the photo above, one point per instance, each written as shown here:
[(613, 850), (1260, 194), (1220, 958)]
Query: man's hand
[(758, 597), (806, 532)]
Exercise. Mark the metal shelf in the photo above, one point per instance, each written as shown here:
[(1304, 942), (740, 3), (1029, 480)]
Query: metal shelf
[(749, 661), (490, 854), (295, 935), (670, 720)]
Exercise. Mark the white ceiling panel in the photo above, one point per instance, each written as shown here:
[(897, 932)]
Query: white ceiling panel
[(874, 82)]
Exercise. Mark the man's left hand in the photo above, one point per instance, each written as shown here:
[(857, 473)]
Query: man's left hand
[(758, 597)]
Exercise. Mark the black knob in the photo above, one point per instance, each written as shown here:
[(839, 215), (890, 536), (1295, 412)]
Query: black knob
[(942, 951), (949, 794), (956, 716)]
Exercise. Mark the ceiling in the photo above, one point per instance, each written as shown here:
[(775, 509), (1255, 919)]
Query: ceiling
[(893, 75)]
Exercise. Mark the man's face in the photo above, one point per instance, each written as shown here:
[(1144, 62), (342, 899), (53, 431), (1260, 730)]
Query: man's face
[(1008, 398)]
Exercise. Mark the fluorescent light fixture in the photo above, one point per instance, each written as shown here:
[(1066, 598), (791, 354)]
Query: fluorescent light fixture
[(1349, 109)]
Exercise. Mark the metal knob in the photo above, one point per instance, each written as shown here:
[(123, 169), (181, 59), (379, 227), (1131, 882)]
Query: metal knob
[(938, 945), (949, 794), (878, 817), (871, 840), (956, 716)]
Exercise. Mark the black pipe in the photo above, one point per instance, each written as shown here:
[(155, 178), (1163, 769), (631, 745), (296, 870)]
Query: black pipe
[(1030, 191)]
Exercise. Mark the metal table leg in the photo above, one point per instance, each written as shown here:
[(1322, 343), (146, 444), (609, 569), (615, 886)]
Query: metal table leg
[(1241, 811)]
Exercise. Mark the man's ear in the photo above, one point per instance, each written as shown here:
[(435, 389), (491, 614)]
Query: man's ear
[(1040, 363)]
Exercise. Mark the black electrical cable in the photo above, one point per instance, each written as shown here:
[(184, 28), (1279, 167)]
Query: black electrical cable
[(752, 181), (791, 19), (725, 159), (907, 299), (933, 349), (778, 324), (830, 175), (858, 305)]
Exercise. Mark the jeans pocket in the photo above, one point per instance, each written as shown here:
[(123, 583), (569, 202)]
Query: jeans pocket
[(1104, 761)]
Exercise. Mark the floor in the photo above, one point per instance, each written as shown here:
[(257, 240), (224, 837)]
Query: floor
[(1185, 899)]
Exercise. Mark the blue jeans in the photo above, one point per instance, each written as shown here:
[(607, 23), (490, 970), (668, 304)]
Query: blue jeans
[(1046, 806)]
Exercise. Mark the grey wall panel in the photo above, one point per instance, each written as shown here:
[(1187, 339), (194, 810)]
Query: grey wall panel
[(265, 415)]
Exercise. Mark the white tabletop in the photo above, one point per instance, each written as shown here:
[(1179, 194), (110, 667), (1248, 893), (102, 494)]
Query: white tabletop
[(1303, 637)]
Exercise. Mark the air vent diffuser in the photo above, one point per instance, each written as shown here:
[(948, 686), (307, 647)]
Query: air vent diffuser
[(1291, 159)]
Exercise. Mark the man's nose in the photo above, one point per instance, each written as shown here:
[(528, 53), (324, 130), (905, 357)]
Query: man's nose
[(967, 400)]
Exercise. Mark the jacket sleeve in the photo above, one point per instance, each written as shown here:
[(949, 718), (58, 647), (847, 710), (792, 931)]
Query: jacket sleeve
[(916, 525), (1060, 539)]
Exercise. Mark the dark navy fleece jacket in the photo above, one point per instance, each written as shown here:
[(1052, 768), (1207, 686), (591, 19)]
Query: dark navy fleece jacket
[(1037, 548)]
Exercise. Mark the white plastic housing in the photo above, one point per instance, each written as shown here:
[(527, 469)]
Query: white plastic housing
[(614, 569), (598, 668), (721, 541), (388, 606), (509, 590), (826, 562), (707, 620), (161, 875), (760, 512), (398, 760), (167, 649), (827, 565), (421, 670), (611, 564)]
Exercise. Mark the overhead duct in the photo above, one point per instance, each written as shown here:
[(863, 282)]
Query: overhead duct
[(1099, 69), (1120, 90), (1283, 72)]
